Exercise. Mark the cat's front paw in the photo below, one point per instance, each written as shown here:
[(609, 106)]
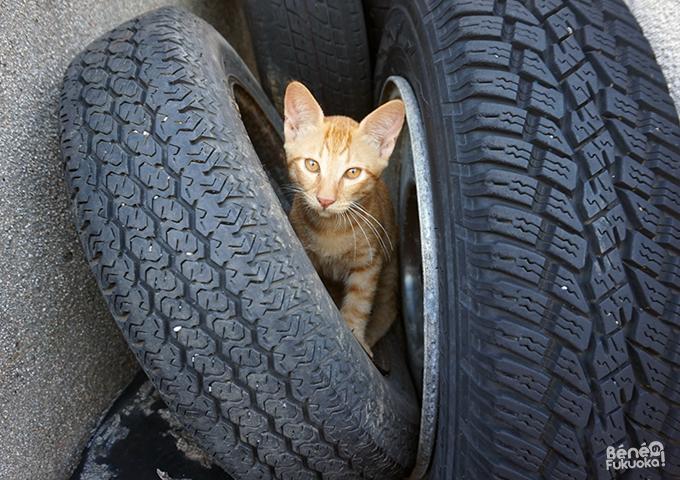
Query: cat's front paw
[(366, 348)]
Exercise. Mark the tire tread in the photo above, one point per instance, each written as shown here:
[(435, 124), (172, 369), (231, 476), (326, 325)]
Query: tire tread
[(566, 170), (188, 247)]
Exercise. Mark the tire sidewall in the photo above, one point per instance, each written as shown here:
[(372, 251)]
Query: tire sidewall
[(371, 421), (404, 52)]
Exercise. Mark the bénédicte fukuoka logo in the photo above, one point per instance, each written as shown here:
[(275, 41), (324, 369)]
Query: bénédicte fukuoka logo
[(643, 457)]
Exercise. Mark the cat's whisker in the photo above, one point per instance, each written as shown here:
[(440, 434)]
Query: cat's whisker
[(373, 229), (369, 223), (340, 222), (363, 210), (305, 204), (360, 216), (345, 219), (368, 243), (381, 239), (291, 187)]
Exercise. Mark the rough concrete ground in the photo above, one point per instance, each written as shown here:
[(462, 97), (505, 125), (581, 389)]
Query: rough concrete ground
[(62, 359)]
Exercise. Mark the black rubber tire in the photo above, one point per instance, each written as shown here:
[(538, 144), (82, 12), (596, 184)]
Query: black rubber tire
[(322, 44), (375, 13), (555, 152), (201, 268)]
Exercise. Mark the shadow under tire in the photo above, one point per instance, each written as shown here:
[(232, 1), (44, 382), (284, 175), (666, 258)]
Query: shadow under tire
[(161, 125), (555, 167)]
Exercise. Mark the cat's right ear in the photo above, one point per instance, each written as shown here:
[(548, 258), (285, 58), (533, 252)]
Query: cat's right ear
[(301, 111)]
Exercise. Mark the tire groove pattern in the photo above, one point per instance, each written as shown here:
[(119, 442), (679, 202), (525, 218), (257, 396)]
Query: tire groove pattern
[(565, 184), (322, 44), (200, 269)]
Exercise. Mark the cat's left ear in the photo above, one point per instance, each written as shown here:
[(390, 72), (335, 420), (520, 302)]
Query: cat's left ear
[(301, 111), (382, 127)]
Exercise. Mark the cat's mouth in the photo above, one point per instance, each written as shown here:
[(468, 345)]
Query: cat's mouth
[(320, 207), (329, 212), (325, 208)]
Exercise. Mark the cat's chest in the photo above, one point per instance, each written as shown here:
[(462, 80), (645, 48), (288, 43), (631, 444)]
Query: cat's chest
[(336, 254), (336, 246)]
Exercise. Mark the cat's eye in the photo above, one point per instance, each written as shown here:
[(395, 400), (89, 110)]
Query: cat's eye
[(312, 165), (353, 172)]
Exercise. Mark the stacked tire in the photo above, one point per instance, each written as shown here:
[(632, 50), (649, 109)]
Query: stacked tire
[(202, 271), (554, 152), (554, 147)]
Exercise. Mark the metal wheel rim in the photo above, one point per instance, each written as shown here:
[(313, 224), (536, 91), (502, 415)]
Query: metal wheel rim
[(420, 296)]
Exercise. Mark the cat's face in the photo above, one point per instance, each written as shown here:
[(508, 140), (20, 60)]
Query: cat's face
[(333, 165), (335, 161)]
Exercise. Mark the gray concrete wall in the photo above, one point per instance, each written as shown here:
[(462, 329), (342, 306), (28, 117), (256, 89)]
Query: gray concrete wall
[(62, 359)]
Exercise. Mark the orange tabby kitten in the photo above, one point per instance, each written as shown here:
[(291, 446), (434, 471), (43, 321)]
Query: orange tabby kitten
[(342, 210)]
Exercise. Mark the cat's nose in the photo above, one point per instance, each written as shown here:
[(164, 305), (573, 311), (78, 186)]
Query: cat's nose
[(325, 203)]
